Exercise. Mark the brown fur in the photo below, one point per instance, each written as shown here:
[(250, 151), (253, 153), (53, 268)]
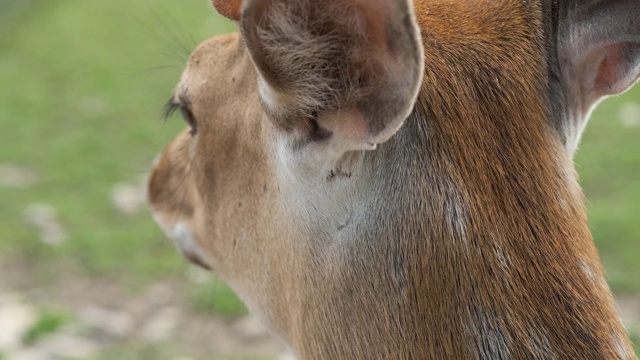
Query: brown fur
[(463, 237)]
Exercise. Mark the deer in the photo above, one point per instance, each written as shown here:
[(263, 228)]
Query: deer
[(394, 179)]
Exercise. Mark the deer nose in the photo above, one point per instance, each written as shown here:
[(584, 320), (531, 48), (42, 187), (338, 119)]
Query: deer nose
[(187, 244)]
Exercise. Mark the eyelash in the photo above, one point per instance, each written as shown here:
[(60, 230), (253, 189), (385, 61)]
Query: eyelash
[(172, 106)]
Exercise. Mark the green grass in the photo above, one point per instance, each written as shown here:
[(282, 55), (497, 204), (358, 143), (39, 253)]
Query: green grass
[(214, 295), (609, 166), (82, 84), (48, 323)]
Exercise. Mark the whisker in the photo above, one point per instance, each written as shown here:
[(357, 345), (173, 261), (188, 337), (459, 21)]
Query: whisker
[(177, 53), (152, 70), (179, 42)]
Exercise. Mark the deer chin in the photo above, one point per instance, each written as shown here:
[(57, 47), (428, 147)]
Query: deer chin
[(184, 238)]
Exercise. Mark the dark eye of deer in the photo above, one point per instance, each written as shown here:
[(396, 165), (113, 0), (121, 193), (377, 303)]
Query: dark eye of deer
[(173, 105), (187, 115)]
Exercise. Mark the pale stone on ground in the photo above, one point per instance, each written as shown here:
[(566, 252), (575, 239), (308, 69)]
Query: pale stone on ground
[(129, 199), (67, 346), (250, 328), (16, 318), (45, 219), (14, 176), (111, 322), (162, 325), (159, 295), (29, 354)]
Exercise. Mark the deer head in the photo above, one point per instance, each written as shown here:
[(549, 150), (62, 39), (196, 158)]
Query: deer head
[(388, 179)]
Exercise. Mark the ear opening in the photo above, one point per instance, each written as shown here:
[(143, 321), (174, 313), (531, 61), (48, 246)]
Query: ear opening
[(352, 66), (228, 8)]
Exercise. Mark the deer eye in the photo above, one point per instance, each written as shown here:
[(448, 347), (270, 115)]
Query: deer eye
[(174, 105), (187, 115)]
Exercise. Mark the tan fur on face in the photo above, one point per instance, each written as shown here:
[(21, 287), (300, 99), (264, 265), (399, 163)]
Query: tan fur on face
[(462, 237)]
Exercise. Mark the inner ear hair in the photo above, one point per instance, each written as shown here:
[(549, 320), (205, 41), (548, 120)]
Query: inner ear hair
[(354, 65)]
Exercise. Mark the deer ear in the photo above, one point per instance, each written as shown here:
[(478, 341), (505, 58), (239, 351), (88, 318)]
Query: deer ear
[(346, 71), (600, 49), (228, 8)]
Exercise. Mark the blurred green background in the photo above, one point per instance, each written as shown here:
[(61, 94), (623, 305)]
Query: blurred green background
[(82, 85)]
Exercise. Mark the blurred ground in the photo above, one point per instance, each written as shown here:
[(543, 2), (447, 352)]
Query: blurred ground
[(84, 273), (80, 317)]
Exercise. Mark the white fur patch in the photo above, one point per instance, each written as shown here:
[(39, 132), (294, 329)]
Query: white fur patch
[(588, 270), (593, 275), (184, 240), (268, 95), (539, 344), (455, 211), (622, 350), (504, 260)]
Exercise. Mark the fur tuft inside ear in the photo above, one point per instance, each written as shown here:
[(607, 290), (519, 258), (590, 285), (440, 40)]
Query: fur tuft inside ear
[(343, 70)]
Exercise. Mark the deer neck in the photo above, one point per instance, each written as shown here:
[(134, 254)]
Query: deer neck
[(474, 234)]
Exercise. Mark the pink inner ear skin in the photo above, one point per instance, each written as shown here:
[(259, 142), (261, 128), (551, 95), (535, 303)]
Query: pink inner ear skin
[(606, 75), (618, 69), (349, 128)]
